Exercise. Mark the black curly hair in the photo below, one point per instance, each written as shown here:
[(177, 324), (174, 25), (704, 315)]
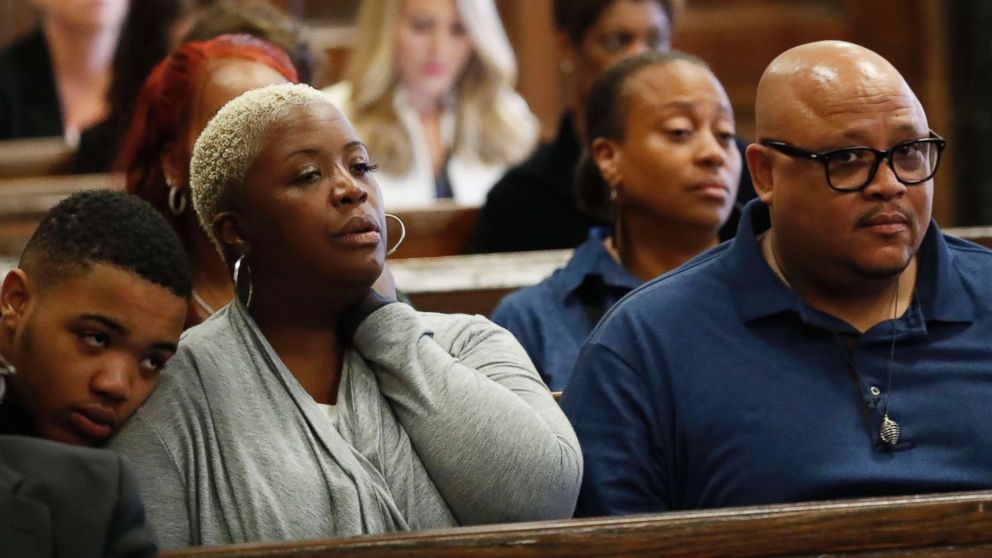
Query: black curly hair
[(107, 227)]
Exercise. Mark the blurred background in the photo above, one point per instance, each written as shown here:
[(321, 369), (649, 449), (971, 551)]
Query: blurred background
[(943, 48)]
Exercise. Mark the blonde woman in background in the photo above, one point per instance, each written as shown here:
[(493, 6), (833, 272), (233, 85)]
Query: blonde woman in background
[(430, 88)]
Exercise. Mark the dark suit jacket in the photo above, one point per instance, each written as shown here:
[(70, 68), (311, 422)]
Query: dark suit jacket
[(61, 500)]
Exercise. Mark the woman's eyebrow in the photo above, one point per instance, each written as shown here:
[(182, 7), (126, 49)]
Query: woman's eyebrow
[(355, 143)]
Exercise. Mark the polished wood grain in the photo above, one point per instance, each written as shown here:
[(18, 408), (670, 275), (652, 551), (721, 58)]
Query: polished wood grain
[(917, 526)]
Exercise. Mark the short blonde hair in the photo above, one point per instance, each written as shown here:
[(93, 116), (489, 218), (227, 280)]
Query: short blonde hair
[(232, 140), (493, 123)]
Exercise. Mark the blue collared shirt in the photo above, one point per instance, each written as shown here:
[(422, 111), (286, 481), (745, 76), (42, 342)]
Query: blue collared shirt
[(716, 385), (553, 318)]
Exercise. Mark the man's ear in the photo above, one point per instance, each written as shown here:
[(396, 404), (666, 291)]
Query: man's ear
[(608, 156), (759, 163), (16, 292), (227, 230)]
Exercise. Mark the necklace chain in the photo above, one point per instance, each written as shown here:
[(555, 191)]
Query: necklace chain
[(202, 303), (890, 430)]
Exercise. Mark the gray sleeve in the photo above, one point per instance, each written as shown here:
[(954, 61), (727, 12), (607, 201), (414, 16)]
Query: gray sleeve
[(486, 428), (159, 481)]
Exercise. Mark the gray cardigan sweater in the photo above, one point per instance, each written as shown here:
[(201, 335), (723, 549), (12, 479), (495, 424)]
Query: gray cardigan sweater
[(443, 422)]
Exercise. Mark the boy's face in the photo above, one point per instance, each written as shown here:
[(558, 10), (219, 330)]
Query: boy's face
[(88, 349)]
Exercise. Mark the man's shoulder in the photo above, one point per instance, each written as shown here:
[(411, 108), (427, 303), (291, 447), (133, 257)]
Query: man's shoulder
[(30, 450), (968, 252), (85, 469)]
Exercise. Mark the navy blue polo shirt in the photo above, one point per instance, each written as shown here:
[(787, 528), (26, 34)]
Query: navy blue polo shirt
[(715, 385), (553, 318)]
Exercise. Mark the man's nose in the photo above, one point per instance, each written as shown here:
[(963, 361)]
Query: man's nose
[(113, 380), (884, 185)]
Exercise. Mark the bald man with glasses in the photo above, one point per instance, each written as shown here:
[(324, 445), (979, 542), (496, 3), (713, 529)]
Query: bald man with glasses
[(840, 346)]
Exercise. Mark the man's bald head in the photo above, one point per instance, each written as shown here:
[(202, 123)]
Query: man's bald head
[(815, 80)]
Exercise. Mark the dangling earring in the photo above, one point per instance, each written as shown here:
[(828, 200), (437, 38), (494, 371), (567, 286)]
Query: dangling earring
[(238, 287), (177, 198), (402, 234), (617, 236)]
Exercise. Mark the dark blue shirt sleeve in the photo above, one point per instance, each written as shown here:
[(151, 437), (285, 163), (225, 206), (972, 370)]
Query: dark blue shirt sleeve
[(612, 411), (516, 316)]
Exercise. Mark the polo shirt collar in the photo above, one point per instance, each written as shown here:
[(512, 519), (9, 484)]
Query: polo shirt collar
[(592, 260), (941, 294), (940, 284)]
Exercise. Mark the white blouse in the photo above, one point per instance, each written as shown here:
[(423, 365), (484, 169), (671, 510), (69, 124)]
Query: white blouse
[(470, 179)]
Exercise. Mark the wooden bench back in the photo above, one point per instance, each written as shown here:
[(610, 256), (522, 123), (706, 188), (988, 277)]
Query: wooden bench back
[(35, 157), (925, 526), (472, 284), (439, 230)]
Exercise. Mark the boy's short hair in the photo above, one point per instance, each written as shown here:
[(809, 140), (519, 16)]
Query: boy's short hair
[(107, 227)]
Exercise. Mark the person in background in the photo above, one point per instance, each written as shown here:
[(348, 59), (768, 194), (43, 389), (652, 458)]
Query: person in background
[(153, 29), (89, 317), (64, 501), (54, 81), (179, 98), (430, 89), (837, 347), (353, 413), (534, 207), (662, 166), (262, 19)]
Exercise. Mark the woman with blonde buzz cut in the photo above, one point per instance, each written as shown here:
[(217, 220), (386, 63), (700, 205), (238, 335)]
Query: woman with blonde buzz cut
[(430, 88), (313, 406)]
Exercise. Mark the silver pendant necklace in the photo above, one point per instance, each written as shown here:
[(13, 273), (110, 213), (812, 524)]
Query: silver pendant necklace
[(890, 430)]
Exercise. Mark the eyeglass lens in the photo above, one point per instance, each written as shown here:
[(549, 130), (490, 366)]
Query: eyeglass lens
[(850, 169)]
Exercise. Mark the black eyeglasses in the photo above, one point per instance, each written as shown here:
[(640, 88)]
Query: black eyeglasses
[(851, 169)]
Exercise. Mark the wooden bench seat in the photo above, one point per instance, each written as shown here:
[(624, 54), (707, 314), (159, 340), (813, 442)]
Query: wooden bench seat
[(917, 526)]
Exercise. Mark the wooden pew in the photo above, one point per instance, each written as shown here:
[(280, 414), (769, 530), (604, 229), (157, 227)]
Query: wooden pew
[(23, 201), (35, 157), (915, 526), (978, 235), (440, 230), (472, 284), (443, 229)]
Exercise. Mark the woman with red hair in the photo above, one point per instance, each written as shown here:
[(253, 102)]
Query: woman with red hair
[(178, 99)]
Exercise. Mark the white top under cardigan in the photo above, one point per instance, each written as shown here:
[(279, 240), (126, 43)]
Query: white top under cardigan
[(443, 421), (470, 179)]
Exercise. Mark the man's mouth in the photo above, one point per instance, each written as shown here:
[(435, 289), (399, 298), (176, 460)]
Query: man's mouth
[(93, 421)]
